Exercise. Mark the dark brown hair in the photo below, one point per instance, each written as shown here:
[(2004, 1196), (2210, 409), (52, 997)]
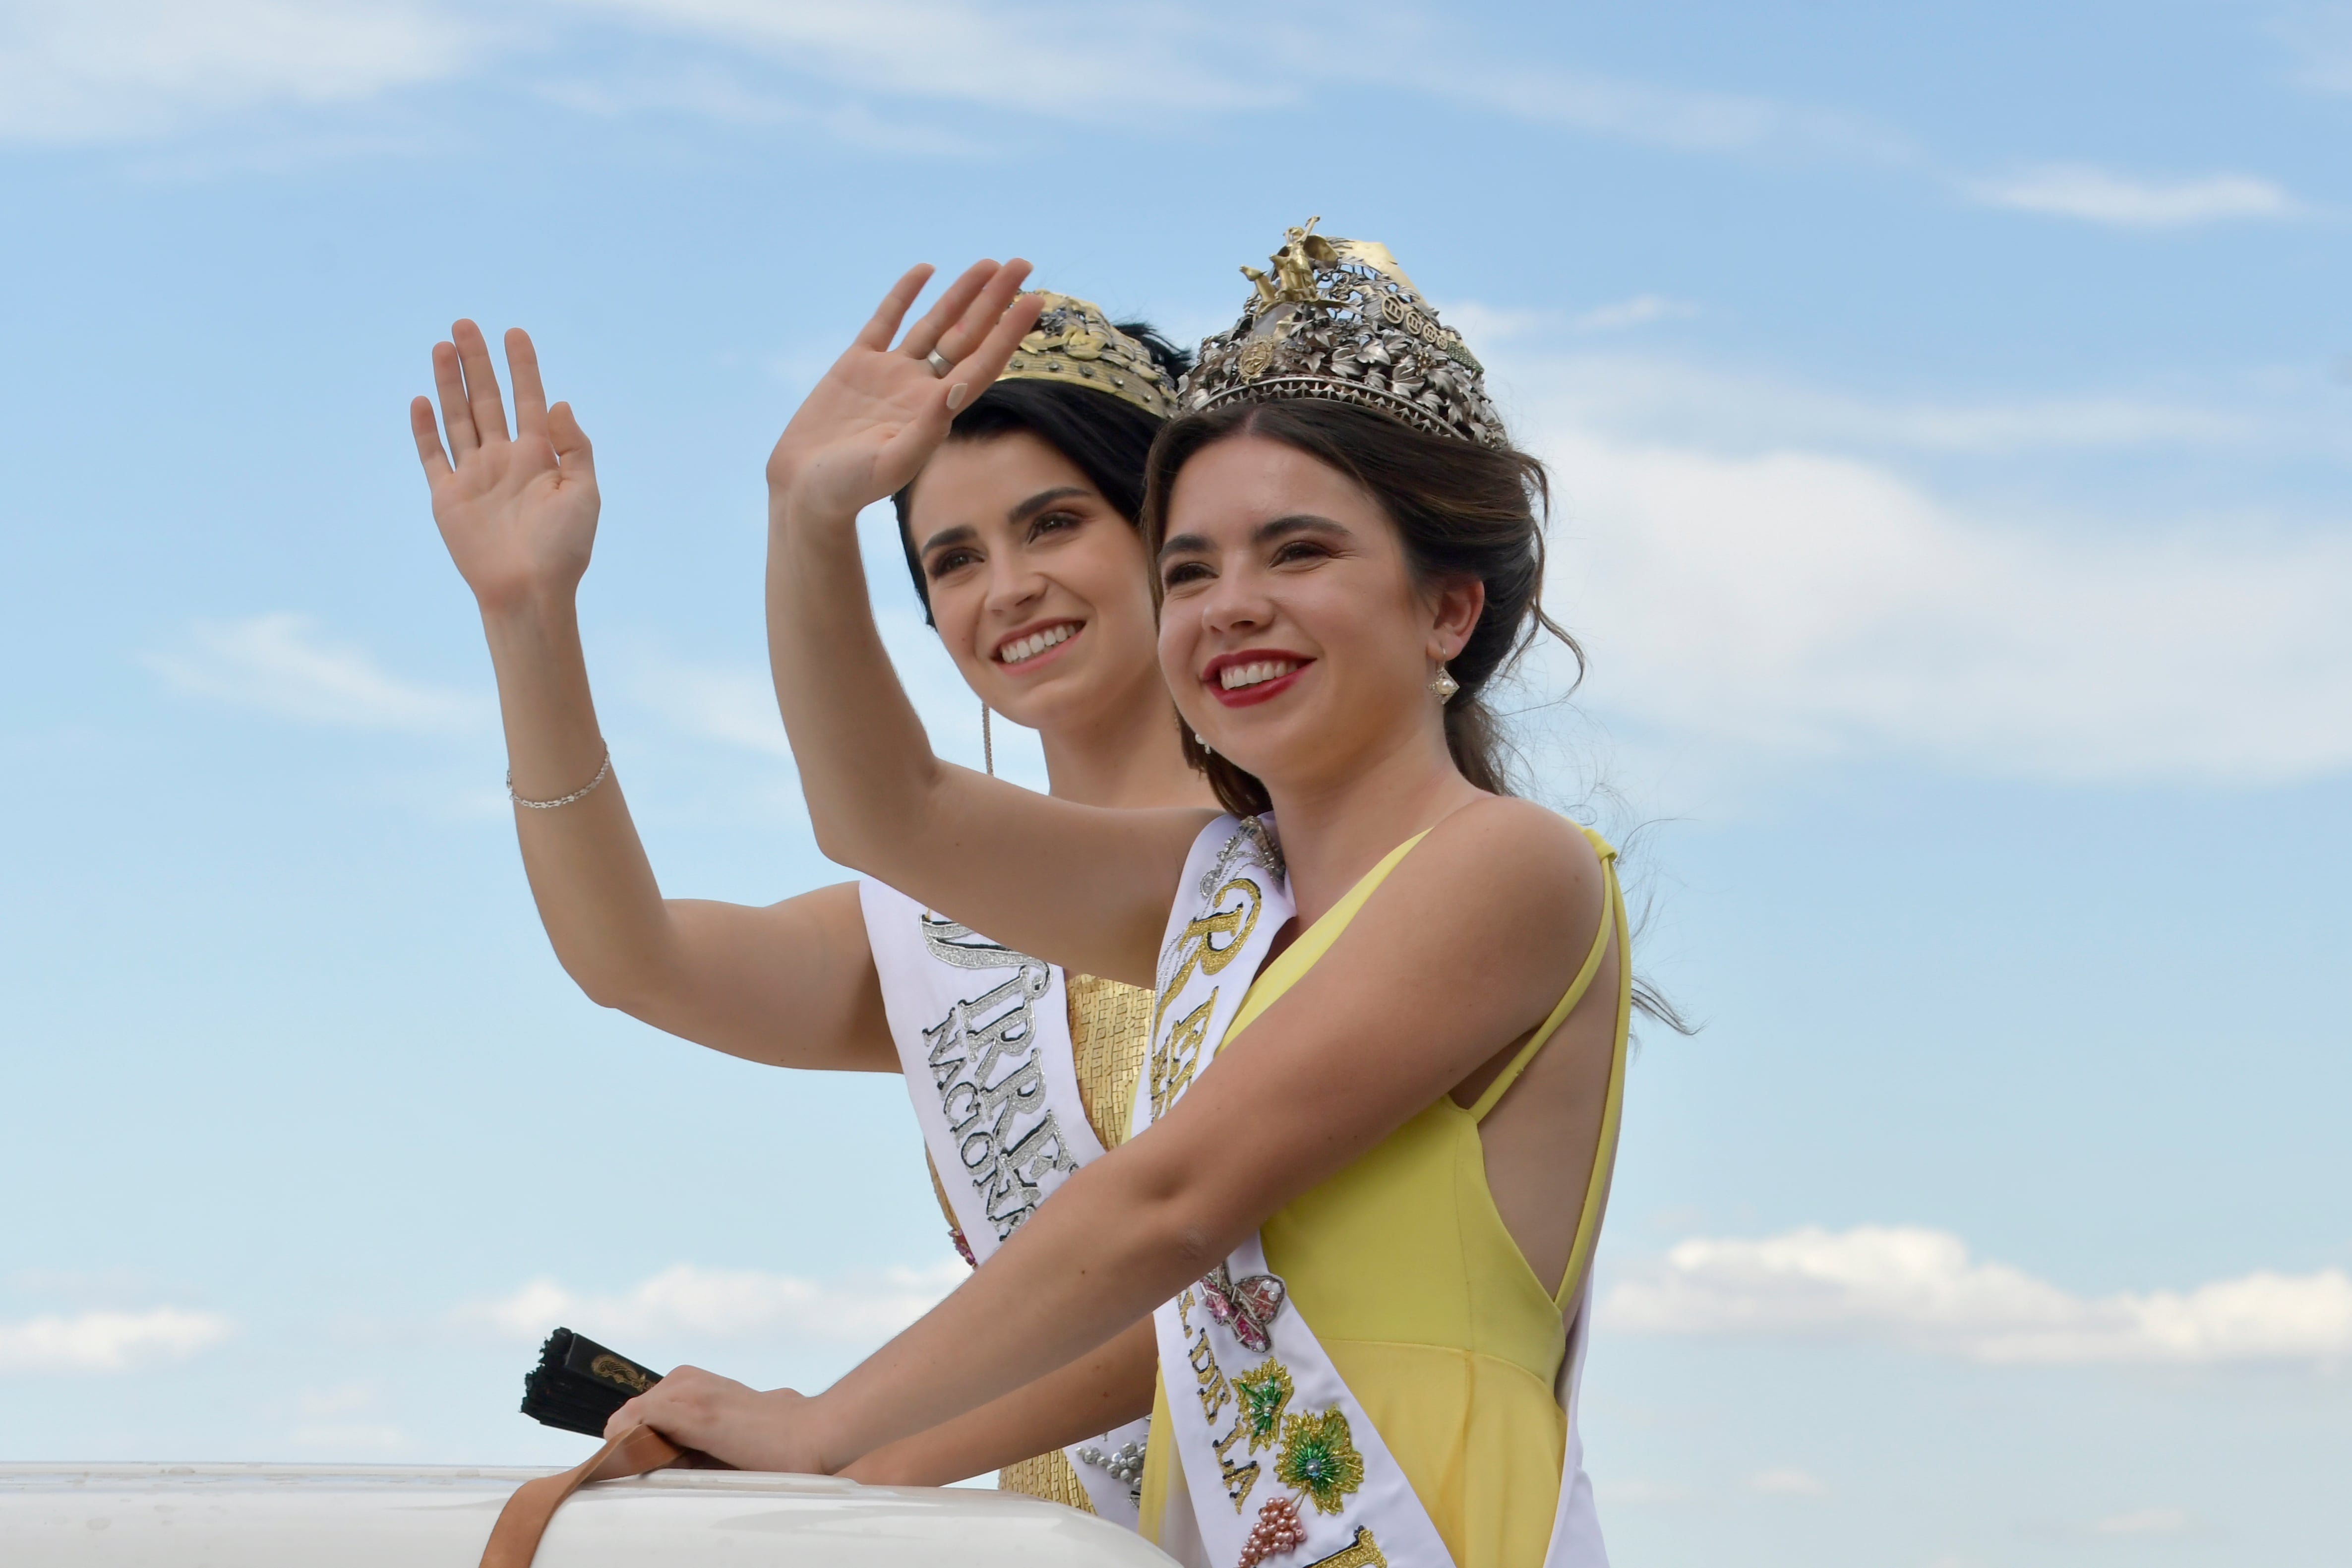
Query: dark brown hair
[(1105, 437), (1462, 510)]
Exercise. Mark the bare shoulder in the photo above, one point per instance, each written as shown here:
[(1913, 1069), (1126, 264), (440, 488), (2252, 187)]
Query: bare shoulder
[(1520, 857)]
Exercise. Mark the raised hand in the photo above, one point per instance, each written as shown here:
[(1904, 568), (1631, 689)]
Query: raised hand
[(869, 424), (518, 514)]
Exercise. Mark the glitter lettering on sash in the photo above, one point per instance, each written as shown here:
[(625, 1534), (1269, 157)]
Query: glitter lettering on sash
[(1176, 1053), (992, 1088)]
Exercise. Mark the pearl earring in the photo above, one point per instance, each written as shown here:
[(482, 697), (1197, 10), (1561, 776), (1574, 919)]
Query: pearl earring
[(1203, 742), (1444, 686)]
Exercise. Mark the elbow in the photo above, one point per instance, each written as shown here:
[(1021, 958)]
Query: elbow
[(867, 826), (607, 991), (1195, 1246), (834, 841), (623, 988)]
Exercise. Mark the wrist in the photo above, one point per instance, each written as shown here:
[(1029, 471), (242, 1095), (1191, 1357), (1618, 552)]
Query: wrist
[(795, 510), (528, 607), (835, 1448), (887, 1466)]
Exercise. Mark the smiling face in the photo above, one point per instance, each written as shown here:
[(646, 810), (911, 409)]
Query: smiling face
[(1038, 584), (1292, 631)]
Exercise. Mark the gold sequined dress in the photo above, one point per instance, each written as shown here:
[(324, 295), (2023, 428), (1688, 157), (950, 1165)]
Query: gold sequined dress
[(1110, 1029)]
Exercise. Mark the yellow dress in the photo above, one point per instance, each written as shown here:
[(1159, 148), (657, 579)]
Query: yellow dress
[(1413, 1285), (1111, 1030)]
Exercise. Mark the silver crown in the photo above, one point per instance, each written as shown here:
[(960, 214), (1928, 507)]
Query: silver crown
[(1338, 320)]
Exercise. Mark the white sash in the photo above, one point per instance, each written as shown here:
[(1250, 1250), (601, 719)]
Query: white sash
[(1576, 1522), (984, 1038), (1278, 1462)]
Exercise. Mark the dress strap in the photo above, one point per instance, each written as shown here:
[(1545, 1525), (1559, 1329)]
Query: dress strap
[(1610, 900)]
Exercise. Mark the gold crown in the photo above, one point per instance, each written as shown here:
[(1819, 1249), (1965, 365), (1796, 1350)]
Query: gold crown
[(1075, 342), (1339, 319)]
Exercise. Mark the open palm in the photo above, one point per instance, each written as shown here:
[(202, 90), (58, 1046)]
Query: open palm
[(517, 513), (868, 427)]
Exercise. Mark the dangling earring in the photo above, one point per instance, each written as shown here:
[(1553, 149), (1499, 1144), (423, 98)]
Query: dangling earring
[(987, 741), (1444, 686), (1201, 740)]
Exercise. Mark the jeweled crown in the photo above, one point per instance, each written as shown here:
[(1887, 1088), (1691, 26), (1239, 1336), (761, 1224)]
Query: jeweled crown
[(1074, 341), (1337, 319)]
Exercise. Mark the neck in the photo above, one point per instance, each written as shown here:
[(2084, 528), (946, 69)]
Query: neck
[(1339, 825), (1126, 760)]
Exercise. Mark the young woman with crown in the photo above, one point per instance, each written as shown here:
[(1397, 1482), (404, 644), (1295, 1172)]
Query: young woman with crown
[(1373, 1139), (1020, 529)]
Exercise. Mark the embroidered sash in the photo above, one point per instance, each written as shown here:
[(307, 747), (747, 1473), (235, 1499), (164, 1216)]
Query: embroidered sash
[(1279, 1458), (983, 1037), (1275, 1455)]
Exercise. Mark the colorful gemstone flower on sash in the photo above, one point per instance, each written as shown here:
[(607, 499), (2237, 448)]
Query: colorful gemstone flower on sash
[(1246, 1307), (1265, 1390), (1318, 1458), (1277, 1530)]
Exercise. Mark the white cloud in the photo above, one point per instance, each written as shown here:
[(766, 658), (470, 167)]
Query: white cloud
[(2146, 1521), (1483, 324), (733, 706), (340, 1399), (721, 1303), (2099, 195), (2321, 35), (352, 1437), (963, 52), (1788, 1482), (107, 1340), (278, 663), (1630, 110), (78, 70), (83, 70), (1655, 397), (1809, 605), (1921, 1289), (1638, 311)]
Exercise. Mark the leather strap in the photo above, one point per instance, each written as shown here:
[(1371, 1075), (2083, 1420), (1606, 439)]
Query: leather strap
[(514, 1540)]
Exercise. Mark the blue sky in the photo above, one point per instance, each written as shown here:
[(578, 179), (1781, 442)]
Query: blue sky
[(1950, 410)]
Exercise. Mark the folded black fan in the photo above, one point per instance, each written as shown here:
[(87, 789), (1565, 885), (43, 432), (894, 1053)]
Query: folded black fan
[(578, 1383)]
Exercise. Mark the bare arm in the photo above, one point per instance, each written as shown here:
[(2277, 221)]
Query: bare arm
[(1083, 887), (791, 983), (1401, 1010), (1092, 1395)]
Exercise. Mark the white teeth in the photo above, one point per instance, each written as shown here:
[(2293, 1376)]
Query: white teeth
[(1236, 676), (1035, 643)]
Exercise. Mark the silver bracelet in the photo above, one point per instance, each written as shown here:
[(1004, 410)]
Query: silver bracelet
[(602, 774)]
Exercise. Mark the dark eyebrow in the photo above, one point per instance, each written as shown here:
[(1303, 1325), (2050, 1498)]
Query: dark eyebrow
[(1044, 499), (1264, 534), (1297, 522), (962, 534)]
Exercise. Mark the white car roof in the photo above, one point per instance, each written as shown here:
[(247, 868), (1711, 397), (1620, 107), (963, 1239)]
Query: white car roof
[(352, 1516)]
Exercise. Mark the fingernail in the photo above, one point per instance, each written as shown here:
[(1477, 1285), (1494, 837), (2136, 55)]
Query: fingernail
[(957, 394)]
